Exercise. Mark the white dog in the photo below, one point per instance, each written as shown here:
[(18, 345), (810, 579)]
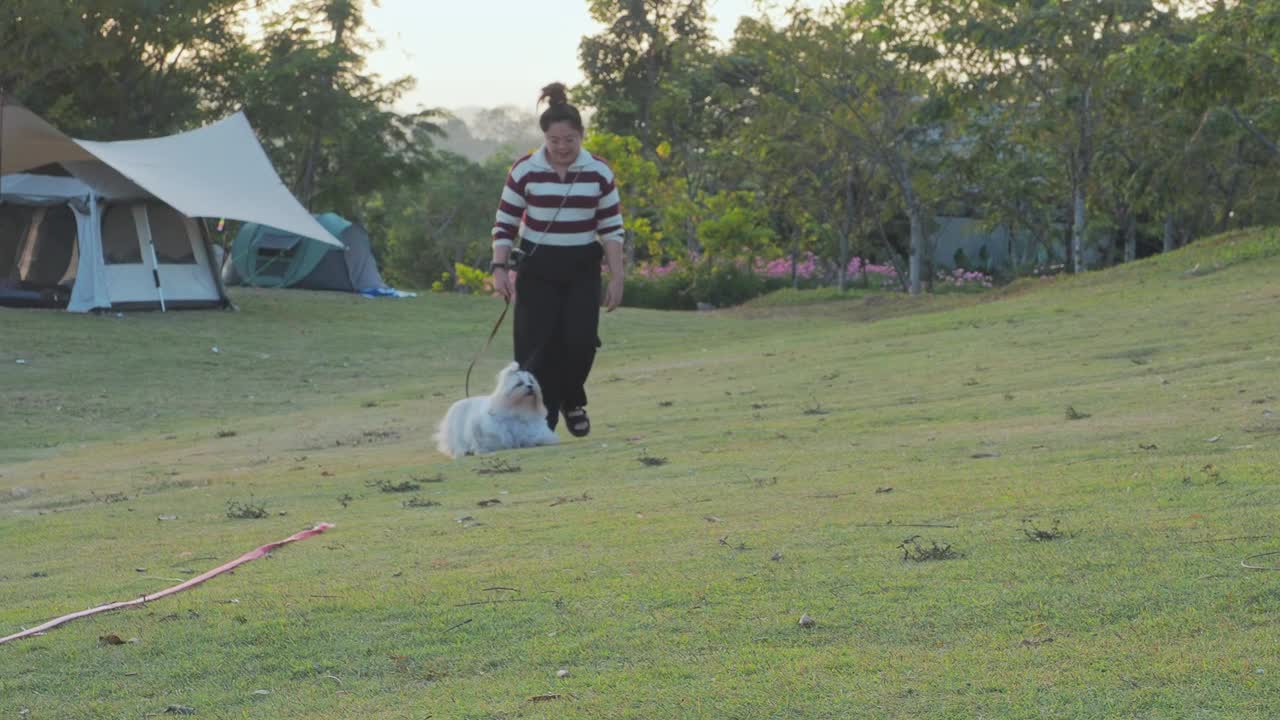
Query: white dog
[(512, 417)]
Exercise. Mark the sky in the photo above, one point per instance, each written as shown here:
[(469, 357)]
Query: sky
[(486, 53)]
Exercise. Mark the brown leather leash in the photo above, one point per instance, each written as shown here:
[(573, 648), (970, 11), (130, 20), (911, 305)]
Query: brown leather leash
[(492, 333)]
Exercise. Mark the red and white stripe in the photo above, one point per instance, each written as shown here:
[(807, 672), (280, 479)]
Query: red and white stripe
[(540, 207)]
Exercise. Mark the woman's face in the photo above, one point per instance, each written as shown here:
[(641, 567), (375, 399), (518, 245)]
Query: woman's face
[(564, 142)]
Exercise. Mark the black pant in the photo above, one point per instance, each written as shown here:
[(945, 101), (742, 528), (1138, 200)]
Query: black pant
[(557, 319)]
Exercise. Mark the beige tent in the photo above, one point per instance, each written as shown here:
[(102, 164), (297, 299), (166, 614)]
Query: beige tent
[(120, 231)]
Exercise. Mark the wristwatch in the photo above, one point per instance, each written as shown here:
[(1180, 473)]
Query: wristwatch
[(496, 265)]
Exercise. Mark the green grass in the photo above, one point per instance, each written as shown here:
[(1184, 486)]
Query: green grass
[(783, 426)]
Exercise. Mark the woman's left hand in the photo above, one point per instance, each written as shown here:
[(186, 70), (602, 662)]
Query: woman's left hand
[(613, 294)]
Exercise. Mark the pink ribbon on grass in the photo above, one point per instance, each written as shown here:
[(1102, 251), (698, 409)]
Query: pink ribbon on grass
[(247, 557)]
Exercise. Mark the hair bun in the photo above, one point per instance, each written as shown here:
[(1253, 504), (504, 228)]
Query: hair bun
[(555, 94)]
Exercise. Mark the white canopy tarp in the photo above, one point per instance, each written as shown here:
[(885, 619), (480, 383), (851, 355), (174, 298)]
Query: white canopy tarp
[(217, 171)]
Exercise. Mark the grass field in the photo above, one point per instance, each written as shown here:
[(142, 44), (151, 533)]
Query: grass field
[(747, 467)]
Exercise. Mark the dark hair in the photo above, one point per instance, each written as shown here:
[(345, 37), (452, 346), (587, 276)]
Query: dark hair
[(558, 108)]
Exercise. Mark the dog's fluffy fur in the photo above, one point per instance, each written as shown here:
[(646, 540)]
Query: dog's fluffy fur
[(512, 417)]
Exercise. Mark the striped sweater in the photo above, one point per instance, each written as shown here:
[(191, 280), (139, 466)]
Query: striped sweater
[(540, 207)]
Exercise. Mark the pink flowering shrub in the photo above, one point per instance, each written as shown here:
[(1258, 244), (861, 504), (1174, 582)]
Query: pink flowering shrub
[(859, 270), (806, 269), (813, 271), (963, 280), (650, 271), (681, 285)]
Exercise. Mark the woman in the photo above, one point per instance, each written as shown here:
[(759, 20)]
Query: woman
[(561, 205)]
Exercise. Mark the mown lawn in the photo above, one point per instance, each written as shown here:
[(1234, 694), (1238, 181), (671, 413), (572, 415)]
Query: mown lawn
[(747, 467)]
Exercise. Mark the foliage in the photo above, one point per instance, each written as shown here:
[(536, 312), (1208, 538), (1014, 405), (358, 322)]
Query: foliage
[(643, 46), (247, 510), (122, 70), (1050, 61), (736, 226), (394, 486), (715, 283), (725, 283), (112, 70), (666, 292), (638, 184), (426, 229), (333, 139), (464, 279), (681, 286), (862, 74)]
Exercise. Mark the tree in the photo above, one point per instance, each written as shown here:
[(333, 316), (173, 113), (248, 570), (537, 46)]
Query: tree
[(862, 70), (332, 134), (638, 183), (1050, 58), (1008, 179), (736, 226), (425, 228), (114, 69), (814, 176), (1232, 62), (1215, 74), (629, 65)]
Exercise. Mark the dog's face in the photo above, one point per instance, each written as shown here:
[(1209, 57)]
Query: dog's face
[(518, 389)]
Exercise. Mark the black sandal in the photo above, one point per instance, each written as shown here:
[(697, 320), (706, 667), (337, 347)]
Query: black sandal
[(577, 421)]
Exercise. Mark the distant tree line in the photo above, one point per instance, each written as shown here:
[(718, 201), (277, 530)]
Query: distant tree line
[(1100, 131), (1103, 129)]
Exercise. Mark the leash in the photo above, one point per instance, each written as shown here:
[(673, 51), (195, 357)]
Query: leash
[(492, 333)]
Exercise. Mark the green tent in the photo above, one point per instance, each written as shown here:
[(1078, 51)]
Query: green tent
[(263, 256)]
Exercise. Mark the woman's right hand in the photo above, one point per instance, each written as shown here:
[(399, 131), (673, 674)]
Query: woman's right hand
[(502, 284)]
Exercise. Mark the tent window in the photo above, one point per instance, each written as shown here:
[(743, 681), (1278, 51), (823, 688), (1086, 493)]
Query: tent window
[(55, 245), (274, 254), (14, 222), (169, 233), (120, 244)]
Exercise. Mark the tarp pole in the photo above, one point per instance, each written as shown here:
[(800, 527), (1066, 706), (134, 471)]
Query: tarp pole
[(155, 273), (155, 260)]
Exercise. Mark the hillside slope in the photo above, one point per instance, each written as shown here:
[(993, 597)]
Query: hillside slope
[(747, 467)]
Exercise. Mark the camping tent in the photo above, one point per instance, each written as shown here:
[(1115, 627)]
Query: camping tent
[(269, 257), (119, 225), (59, 246)]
